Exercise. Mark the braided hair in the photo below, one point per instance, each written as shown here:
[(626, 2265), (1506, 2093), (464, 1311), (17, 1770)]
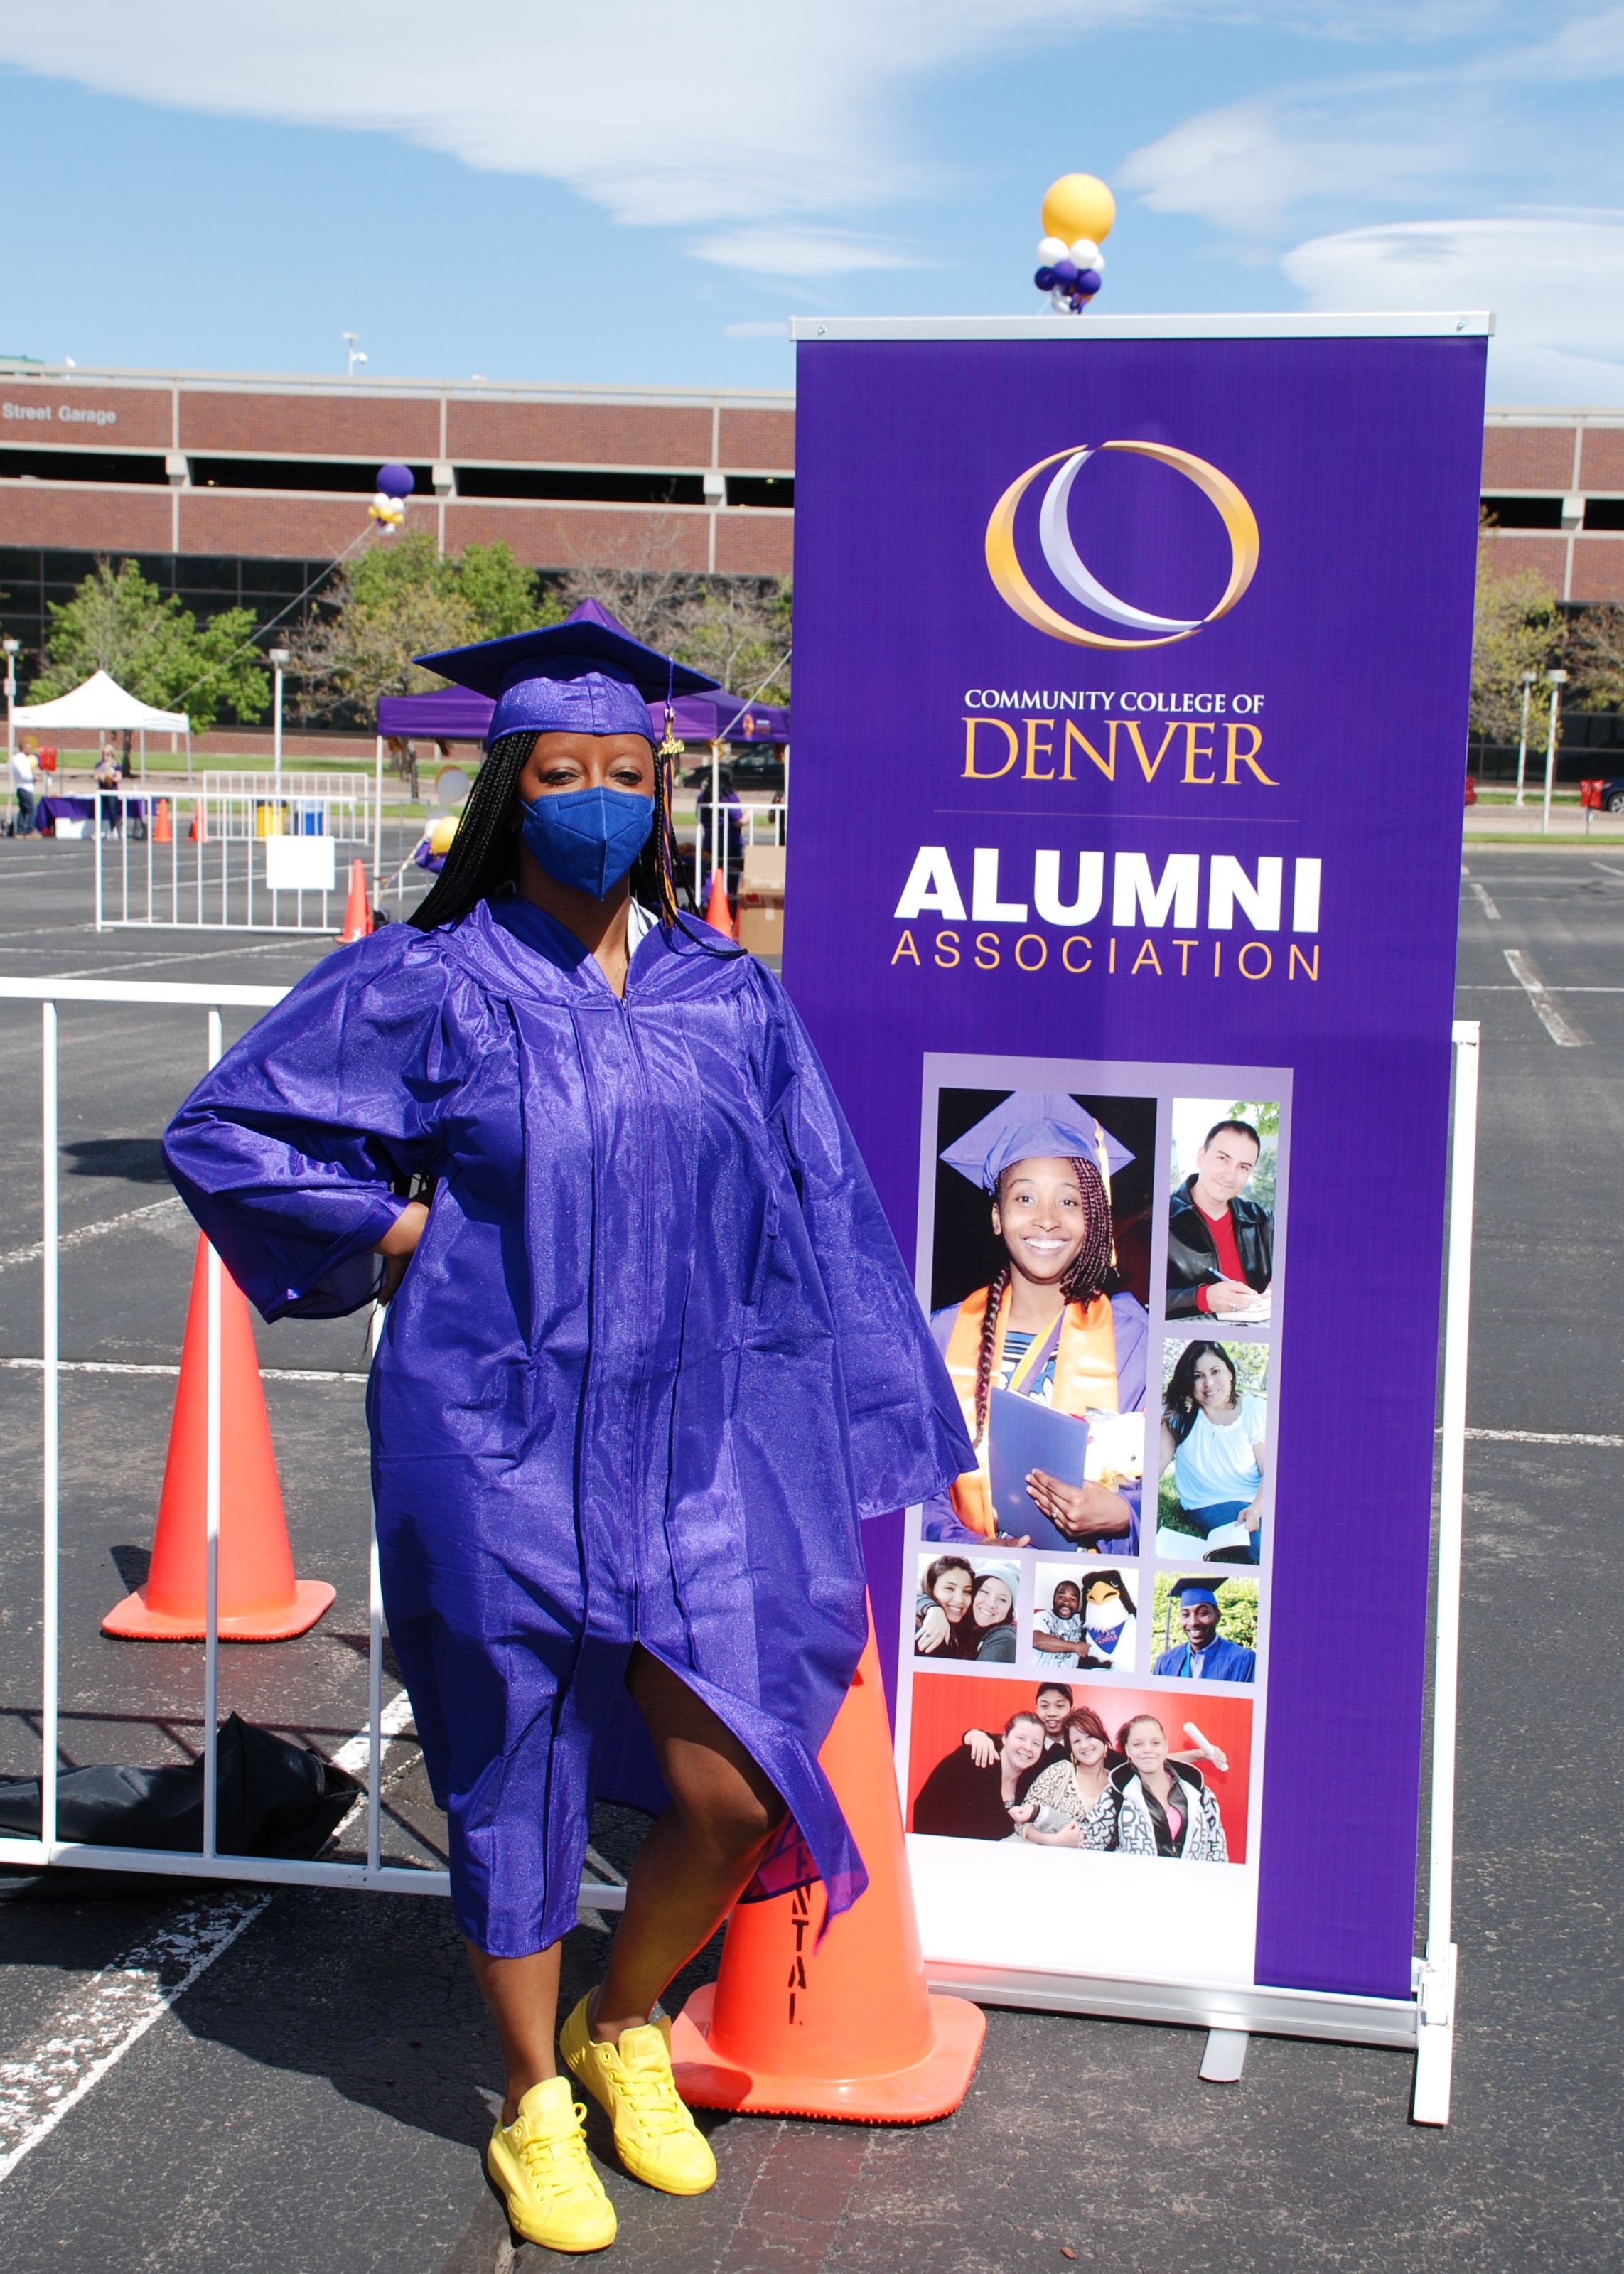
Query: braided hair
[(1086, 1278), (485, 853)]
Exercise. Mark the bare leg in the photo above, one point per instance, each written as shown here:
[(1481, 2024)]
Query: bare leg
[(699, 1856), (522, 1994)]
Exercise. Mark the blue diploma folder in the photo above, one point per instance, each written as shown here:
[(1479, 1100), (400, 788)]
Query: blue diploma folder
[(1023, 1433)]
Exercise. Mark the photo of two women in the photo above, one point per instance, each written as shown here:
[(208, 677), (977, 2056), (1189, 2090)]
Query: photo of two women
[(1119, 1772)]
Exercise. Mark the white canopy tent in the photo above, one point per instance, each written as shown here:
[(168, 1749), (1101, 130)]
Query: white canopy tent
[(103, 706)]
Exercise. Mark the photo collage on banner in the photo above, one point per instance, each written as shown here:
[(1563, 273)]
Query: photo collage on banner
[(1085, 1643)]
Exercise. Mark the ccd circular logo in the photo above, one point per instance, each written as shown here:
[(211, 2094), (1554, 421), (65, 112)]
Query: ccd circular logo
[(1060, 550)]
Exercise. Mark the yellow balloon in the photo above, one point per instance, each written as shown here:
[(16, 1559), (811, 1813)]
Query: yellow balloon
[(441, 833), (1078, 204)]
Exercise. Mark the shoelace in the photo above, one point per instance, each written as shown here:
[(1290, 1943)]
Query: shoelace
[(538, 2150), (658, 2107)]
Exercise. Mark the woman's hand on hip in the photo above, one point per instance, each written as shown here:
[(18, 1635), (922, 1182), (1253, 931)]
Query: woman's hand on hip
[(399, 1245)]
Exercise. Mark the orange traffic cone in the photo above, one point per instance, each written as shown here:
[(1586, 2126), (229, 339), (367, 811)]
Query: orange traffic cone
[(198, 833), (161, 833), (794, 2027), (718, 913), (260, 1600), (358, 915)]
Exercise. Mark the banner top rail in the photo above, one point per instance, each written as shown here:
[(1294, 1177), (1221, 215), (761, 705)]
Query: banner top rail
[(1359, 324)]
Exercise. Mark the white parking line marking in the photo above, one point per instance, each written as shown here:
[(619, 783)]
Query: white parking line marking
[(1562, 1034), (1484, 901), (97, 2023), (1541, 1437), (130, 1366), (154, 1213)]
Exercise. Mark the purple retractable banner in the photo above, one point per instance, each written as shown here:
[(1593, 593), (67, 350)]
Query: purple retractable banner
[(1131, 676)]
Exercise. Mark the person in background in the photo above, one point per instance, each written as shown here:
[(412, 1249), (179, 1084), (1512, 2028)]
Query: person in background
[(107, 777), (1204, 1655), (24, 768), (1221, 1247), (1213, 1436)]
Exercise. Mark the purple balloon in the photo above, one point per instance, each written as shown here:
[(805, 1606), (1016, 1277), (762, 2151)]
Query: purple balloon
[(1045, 280), (395, 481), (1089, 281), (1065, 272)]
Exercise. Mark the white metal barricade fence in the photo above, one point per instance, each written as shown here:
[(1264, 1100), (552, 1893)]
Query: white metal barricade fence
[(48, 1849), (755, 824), (339, 806), (233, 860)]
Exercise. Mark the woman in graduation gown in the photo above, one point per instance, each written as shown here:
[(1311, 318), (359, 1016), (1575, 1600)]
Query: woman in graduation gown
[(650, 1355), (1045, 1327)]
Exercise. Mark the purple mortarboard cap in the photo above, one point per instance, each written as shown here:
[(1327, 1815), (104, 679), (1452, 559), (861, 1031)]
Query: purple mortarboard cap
[(1197, 1591), (1033, 1125), (585, 676)]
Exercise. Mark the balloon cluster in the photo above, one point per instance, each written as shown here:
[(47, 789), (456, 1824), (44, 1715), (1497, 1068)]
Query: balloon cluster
[(1070, 274), (388, 509), (1077, 212)]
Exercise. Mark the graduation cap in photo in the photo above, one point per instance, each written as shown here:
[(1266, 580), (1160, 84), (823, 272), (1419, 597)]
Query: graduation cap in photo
[(585, 676), (1196, 1591), (1036, 1125)]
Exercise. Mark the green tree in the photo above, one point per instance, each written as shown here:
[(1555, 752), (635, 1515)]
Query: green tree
[(400, 599), (741, 635), (1595, 658), (119, 623), (1516, 628)]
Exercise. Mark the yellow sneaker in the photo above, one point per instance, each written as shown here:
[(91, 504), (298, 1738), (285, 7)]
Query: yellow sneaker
[(544, 2173), (655, 2138)]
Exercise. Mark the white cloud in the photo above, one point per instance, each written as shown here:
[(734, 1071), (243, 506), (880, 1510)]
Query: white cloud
[(722, 112), (1555, 281), (794, 252), (731, 111)]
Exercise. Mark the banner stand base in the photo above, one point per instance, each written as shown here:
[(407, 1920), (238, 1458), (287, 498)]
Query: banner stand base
[(1225, 2056), (1240, 2009)]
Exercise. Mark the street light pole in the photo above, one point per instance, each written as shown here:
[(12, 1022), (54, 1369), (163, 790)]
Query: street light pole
[(12, 648), (1557, 681), (280, 657), (1528, 678)]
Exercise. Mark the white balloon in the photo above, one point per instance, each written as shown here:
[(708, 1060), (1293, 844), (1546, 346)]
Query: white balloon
[(1051, 249), (1097, 264), (1086, 252)]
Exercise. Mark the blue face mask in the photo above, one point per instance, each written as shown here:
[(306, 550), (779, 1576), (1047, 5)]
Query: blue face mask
[(588, 838)]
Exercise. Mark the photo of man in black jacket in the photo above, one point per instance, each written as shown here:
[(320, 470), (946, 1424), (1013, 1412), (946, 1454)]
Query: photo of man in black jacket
[(1221, 1246)]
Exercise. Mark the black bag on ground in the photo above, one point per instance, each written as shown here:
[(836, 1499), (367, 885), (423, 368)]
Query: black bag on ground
[(275, 1799)]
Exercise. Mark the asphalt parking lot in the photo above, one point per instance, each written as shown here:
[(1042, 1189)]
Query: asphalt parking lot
[(318, 2097)]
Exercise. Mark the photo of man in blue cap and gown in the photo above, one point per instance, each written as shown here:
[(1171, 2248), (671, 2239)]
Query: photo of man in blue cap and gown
[(650, 1356), (1047, 1326), (1204, 1656)]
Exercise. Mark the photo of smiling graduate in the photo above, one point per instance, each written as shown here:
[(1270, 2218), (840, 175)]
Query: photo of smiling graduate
[(1205, 1654), (1055, 1322)]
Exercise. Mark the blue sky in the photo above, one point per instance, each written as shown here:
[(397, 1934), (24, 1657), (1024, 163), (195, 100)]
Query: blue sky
[(642, 193)]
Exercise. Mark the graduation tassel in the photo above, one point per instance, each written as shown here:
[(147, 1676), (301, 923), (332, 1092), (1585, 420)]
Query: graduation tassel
[(666, 849)]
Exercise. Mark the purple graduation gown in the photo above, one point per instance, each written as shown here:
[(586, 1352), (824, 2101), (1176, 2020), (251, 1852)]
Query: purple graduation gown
[(655, 1356)]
